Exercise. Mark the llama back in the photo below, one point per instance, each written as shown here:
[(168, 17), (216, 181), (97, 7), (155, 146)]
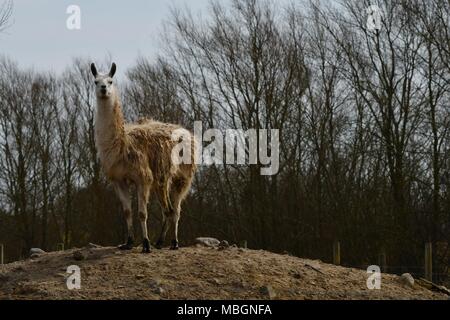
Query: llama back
[(159, 140)]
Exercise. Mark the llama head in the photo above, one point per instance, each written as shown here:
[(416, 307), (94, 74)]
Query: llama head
[(104, 85)]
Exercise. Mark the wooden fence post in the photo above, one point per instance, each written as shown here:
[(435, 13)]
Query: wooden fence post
[(382, 261), (429, 261), (60, 247), (244, 244), (2, 261), (336, 253)]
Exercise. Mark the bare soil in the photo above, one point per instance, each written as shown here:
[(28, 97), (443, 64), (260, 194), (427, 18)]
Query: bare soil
[(194, 273)]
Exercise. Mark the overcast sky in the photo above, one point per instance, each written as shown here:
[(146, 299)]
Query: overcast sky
[(39, 37)]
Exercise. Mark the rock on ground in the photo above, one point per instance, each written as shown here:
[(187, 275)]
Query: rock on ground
[(407, 279), (79, 255), (207, 242), (268, 291), (36, 251)]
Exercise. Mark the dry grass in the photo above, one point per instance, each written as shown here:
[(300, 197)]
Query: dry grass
[(194, 273)]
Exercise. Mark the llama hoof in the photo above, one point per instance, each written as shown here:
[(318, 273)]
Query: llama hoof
[(159, 245), (146, 246), (128, 245), (174, 245)]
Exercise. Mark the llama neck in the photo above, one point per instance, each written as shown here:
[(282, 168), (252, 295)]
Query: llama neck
[(109, 126)]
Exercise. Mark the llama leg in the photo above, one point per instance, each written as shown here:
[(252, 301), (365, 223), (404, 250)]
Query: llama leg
[(123, 192), (178, 193), (175, 218), (165, 228), (143, 193)]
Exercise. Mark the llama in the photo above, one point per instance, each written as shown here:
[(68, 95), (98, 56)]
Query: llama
[(140, 154)]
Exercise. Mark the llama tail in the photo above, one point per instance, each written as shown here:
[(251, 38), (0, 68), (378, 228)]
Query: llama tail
[(169, 204), (165, 198)]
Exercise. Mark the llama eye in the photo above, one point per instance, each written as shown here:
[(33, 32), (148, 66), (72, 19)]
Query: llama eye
[(110, 82)]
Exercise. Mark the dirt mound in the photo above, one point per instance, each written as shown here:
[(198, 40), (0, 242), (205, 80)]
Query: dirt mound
[(194, 273)]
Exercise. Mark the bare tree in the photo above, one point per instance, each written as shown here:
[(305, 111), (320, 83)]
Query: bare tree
[(18, 157), (6, 10)]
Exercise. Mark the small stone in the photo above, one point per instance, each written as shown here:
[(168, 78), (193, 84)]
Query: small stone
[(25, 288), (207, 242), (407, 279), (155, 286), (159, 290), (239, 284), (268, 291), (154, 283), (35, 256), (36, 251), (79, 255), (140, 276), (224, 243)]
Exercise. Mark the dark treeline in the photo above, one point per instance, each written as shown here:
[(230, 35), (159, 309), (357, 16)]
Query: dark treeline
[(364, 123)]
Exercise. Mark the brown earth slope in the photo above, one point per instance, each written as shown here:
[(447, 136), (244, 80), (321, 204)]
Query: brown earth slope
[(194, 273)]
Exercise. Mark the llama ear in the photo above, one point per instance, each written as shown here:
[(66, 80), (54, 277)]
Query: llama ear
[(112, 72), (94, 70)]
